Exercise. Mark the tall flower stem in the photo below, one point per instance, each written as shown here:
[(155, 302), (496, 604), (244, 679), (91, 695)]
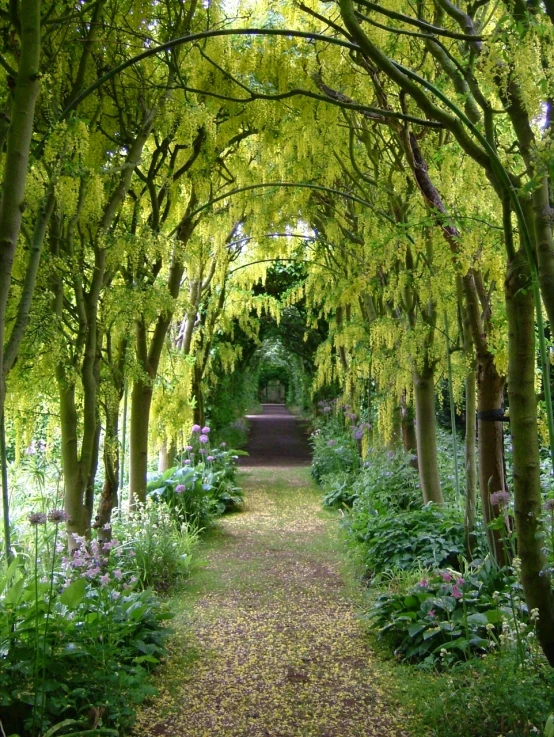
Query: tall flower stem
[(45, 640)]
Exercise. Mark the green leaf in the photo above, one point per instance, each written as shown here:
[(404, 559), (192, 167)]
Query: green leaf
[(478, 618), (549, 727), (74, 594)]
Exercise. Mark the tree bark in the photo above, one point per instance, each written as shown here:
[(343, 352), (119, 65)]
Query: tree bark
[(470, 461), (409, 440), (141, 401), (426, 435), (18, 141), (109, 495), (535, 577)]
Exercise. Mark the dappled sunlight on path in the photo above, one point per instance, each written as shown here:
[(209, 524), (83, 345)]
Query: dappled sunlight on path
[(271, 645)]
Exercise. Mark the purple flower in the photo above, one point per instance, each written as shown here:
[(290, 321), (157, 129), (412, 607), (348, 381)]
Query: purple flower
[(423, 583), (37, 518), (331, 443), (118, 574), (456, 593), (187, 462), (500, 498), (210, 458), (223, 445), (105, 579), (58, 515), (327, 409), (115, 594), (358, 434), (205, 430), (179, 489), (196, 428), (431, 613), (203, 438), (189, 448), (107, 526), (446, 576), (460, 582)]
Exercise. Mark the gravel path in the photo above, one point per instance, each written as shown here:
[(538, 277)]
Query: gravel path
[(268, 642), (277, 438)]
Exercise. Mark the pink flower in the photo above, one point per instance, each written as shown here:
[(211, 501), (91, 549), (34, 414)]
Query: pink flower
[(223, 445), (446, 576), (205, 430), (424, 583), (210, 458), (456, 593), (189, 448), (431, 613), (179, 488), (187, 462), (196, 428), (118, 574), (203, 438), (105, 579), (460, 582)]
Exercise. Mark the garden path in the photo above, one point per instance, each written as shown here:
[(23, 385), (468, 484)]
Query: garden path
[(267, 641), (276, 438)]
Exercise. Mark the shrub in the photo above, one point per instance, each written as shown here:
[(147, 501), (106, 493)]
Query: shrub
[(339, 490), (76, 644), (155, 547), (387, 482), (429, 537), (448, 616), (334, 451)]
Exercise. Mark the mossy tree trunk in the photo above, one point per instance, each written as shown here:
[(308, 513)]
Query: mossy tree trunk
[(535, 577), (426, 434)]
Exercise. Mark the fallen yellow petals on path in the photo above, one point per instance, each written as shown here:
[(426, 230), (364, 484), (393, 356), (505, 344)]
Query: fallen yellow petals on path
[(270, 644)]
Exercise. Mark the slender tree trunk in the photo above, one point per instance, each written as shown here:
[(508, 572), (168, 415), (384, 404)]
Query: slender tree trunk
[(5, 494), (199, 415), (424, 393), (24, 95), (470, 460), (545, 245), (166, 458), (409, 440), (535, 577), (141, 400), (74, 479), (108, 498), (492, 475)]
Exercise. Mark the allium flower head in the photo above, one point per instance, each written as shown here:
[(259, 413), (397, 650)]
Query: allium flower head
[(196, 428), (187, 462), (210, 458), (179, 489), (327, 409), (500, 498), (58, 515), (331, 443), (189, 447), (358, 434), (205, 430), (203, 438), (37, 518), (223, 445)]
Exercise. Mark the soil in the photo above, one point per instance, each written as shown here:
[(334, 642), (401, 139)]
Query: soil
[(268, 641), (277, 438)]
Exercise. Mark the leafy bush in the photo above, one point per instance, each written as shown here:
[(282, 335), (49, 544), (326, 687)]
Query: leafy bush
[(335, 449), (387, 482), (185, 493), (339, 490), (429, 537), (77, 643), (447, 616), (485, 697), (155, 548)]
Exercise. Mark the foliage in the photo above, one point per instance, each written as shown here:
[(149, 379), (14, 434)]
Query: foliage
[(75, 643), (449, 616), (155, 547), (427, 537), (387, 481), (335, 447), (483, 697)]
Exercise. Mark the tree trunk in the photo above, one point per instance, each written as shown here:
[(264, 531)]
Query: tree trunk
[(470, 461), (199, 415), (74, 479), (535, 577), (24, 95), (492, 475), (141, 400), (424, 392), (108, 498), (409, 440), (166, 458)]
